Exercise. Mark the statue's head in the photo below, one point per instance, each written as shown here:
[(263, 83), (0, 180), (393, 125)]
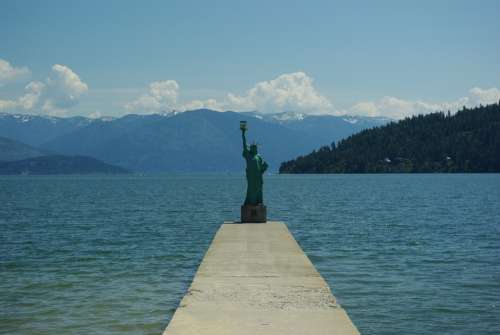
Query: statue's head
[(253, 149)]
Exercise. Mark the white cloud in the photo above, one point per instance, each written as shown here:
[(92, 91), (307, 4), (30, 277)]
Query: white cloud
[(288, 92), (63, 88), (9, 73), (367, 108), (398, 108), (60, 91), (31, 98), (198, 104), (162, 96), (392, 107), (7, 104), (483, 96), (95, 114), (295, 92)]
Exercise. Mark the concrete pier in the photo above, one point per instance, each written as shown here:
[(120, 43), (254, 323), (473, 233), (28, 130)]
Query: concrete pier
[(255, 279)]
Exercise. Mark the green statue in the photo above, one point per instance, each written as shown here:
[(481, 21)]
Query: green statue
[(256, 166)]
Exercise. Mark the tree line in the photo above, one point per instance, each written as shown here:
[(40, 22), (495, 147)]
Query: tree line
[(467, 141)]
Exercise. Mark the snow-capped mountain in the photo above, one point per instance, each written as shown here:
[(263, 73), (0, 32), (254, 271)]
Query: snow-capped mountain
[(200, 140)]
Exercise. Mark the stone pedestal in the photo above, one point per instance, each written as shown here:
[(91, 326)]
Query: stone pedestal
[(253, 214)]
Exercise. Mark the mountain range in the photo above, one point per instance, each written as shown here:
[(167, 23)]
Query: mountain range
[(193, 141)]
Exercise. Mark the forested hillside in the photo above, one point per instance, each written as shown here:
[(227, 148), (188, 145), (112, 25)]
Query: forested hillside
[(11, 150), (468, 141), (58, 164)]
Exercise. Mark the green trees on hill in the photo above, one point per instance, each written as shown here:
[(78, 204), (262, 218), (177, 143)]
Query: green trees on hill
[(468, 141)]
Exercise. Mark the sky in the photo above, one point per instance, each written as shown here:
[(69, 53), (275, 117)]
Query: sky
[(373, 58)]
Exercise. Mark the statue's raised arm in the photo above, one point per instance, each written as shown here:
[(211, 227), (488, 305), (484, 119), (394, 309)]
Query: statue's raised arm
[(243, 137)]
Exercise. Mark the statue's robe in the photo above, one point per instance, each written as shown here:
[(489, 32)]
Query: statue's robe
[(255, 169)]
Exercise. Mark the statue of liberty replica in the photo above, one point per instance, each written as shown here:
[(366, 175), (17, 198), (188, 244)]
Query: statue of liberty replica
[(253, 210)]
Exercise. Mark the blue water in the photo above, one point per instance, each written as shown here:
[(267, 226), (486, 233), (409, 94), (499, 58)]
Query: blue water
[(404, 254)]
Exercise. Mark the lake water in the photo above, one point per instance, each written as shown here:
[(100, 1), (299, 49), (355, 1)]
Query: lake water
[(403, 254)]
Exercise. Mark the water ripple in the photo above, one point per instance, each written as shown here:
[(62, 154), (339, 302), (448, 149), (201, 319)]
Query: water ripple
[(412, 254)]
